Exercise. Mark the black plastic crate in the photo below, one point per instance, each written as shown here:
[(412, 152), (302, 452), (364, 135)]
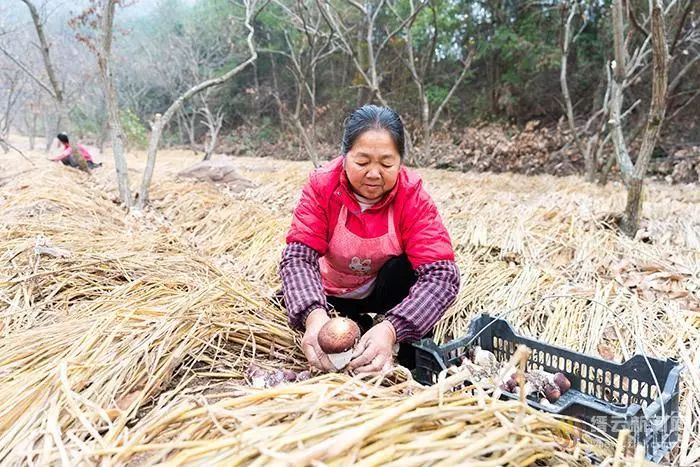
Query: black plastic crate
[(611, 396)]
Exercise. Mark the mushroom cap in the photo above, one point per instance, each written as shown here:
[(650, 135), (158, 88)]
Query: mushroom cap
[(551, 392), (338, 335), (508, 386), (562, 381)]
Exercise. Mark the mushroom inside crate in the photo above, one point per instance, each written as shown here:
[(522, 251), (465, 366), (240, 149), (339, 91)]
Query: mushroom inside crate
[(547, 387)]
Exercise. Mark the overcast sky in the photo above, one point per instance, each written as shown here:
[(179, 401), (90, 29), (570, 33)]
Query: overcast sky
[(14, 13)]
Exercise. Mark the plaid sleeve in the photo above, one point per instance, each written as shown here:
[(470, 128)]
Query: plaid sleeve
[(435, 290), (301, 283)]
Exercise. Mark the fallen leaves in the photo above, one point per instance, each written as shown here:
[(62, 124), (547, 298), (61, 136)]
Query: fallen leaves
[(654, 281)]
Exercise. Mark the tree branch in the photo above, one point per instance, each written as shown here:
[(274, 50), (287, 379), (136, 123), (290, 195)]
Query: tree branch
[(679, 31), (466, 65), (45, 53), (681, 74), (26, 70), (682, 107), (565, 89), (618, 65), (161, 121), (402, 25), (6, 143), (633, 20), (658, 90)]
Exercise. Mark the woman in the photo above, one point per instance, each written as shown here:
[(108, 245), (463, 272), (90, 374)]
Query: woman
[(367, 238), (77, 157)]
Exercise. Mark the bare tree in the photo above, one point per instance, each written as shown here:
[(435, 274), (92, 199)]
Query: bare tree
[(10, 95), (592, 138), (588, 153), (594, 132), (684, 50), (367, 63), (32, 106), (420, 68), (307, 46), (187, 121), (633, 172), (367, 67), (104, 61), (161, 120), (54, 88), (200, 60), (213, 122)]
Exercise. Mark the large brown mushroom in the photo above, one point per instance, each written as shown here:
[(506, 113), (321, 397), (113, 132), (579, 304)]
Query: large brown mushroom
[(337, 339)]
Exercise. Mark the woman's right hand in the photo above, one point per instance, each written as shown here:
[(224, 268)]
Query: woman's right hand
[(309, 343)]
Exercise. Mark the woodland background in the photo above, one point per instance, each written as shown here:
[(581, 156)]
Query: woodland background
[(478, 83)]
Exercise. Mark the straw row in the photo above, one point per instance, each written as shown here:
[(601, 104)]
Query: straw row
[(133, 348)]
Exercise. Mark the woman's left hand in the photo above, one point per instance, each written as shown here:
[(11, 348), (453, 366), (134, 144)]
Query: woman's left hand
[(375, 351)]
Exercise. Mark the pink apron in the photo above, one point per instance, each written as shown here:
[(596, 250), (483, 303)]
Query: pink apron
[(352, 262)]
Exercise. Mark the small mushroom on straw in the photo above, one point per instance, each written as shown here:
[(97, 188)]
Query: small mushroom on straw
[(337, 339), (261, 378), (256, 376)]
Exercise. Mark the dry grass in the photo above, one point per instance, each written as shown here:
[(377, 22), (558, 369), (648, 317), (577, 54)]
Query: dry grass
[(132, 348)]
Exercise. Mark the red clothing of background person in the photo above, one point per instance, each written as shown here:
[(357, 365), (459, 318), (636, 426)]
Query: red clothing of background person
[(66, 156)]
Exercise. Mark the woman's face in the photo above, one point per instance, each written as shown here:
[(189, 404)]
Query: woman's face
[(372, 164)]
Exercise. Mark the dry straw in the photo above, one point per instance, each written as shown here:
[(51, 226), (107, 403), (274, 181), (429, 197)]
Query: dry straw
[(124, 338)]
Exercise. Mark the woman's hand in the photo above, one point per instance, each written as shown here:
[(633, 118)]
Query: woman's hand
[(375, 351), (309, 343)]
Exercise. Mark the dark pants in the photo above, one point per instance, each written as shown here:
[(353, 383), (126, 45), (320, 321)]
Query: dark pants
[(71, 162), (392, 285)]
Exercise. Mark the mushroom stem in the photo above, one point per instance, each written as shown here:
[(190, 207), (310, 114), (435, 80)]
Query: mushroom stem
[(340, 360)]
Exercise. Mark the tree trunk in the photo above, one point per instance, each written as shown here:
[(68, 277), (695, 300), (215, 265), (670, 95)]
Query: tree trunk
[(629, 224), (104, 132), (276, 91), (609, 162), (633, 173), (213, 124), (56, 90), (659, 85), (492, 71), (161, 121), (424, 117), (51, 125), (308, 144), (256, 96), (104, 62), (180, 129), (427, 142), (306, 141), (191, 127), (32, 132)]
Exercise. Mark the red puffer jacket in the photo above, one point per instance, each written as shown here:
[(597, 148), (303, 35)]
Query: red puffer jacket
[(420, 229)]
